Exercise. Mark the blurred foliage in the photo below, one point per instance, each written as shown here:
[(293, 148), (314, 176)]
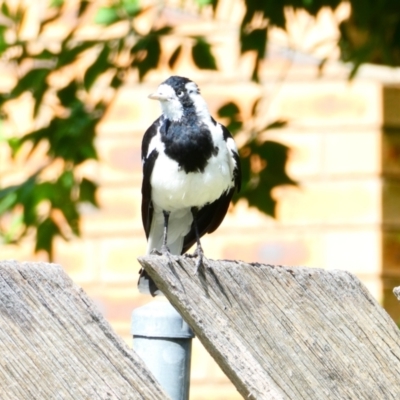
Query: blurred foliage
[(67, 107)]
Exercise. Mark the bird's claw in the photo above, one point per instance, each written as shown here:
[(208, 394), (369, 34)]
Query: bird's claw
[(200, 257), (165, 250)]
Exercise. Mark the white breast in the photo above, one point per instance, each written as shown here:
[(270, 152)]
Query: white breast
[(174, 189)]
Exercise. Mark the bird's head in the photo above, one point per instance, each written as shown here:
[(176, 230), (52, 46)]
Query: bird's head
[(178, 95)]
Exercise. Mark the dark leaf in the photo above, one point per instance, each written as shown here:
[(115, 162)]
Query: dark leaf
[(228, 110), (5, 10), (254, 40), (48, 21), (47, 230), (174, 57), (117, 79), (67, 95), (257, 185), (202, 55), (162, 31), (276, 155), (46, 55), (38, 94), (231, 111), (279, 123), (274, 13), (99, 66), (87, 192), (146, 54), (234, 126), (82, 7), (33, 80), (69, 54)]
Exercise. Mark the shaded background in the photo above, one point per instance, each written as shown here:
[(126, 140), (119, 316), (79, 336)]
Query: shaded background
[(320, 152)]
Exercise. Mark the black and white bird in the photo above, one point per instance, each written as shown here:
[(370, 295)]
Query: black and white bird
[(191, 169)]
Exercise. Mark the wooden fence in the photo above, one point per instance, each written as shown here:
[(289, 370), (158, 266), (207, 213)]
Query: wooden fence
[(278, 333)]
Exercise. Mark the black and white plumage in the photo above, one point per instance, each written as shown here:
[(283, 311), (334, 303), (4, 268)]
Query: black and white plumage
[(191, 169)]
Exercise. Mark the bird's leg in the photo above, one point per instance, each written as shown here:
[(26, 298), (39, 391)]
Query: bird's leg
[(199, 250), (164, 247)]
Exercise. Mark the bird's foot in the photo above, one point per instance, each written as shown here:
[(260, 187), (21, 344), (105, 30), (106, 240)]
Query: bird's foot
[(155, 252), (164, 251), (200, 257)]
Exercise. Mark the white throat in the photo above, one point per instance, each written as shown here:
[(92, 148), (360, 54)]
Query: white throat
[(172, 109), (170, 105)]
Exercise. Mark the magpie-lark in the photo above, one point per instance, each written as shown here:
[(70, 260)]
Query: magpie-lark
[(191, 169)]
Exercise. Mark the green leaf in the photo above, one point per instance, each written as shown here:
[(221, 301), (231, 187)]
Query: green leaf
[(131, 7), (82, 7), (228, 110), (99, 66), (67, 95), (202, 55), (117, 79), (5, 10), (45, 191), (146, 54), (255, 40), (106, 16), (15, 227), (67, 180), (257, 186), (3, 42), (46, 232), (34, 80), (279, 123), (231, 111), (87, 192), (56, 3), (69, 54), (7, 201), (38, 94), (15, 144), (202, 3), (174, 57), (165, 30)]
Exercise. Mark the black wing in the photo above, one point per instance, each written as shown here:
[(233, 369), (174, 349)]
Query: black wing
[(148, 165), (210, 217)]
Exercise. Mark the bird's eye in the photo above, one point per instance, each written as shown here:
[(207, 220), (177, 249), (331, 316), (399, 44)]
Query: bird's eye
[(180, 93)]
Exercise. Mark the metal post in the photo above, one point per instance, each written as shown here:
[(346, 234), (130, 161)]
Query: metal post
[(164, 341)]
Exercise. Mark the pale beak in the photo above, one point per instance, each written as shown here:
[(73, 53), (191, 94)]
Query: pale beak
[(158, 96)]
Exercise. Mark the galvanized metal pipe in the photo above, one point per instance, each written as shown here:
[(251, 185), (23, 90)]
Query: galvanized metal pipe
[(164, 341)]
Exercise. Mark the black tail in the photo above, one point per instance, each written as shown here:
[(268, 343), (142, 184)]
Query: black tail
[(146, 284)]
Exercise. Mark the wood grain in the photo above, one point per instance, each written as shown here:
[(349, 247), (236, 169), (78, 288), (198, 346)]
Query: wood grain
[(54, 344), (286, 333)]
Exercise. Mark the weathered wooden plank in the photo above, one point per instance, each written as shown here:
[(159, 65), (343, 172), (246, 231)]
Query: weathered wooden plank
[(54, 344), (286, 333)]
